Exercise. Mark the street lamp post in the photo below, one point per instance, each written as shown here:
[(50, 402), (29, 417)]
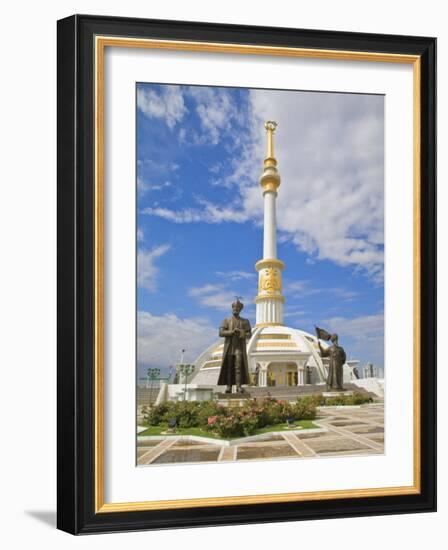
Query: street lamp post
[(153, 374), (185, 369)]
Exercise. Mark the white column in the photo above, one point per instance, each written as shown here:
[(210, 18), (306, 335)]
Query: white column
[(263, 374), (270, 226), (269, 311), (300, 375), (270, 298)]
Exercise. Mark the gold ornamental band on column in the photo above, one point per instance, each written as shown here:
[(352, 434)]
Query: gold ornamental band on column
[(262, 297), (269, 280)]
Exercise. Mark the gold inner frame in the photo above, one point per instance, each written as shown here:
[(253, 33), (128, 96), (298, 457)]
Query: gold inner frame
[(101, 42)]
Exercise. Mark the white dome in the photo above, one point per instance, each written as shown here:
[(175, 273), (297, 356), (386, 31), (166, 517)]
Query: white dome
[(268, 347)]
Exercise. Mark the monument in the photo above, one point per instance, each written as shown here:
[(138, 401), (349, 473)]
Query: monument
[(234, 366), (272, 353), (337, 357)]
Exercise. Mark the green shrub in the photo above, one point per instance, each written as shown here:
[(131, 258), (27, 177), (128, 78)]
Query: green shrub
[(250, 423), (357, 398), (305, 408), (238, 424), (258, 410), (209, 409), (317, 399), (228, 426), (186, 413), (361, 398), (155, 415), (269, 411)]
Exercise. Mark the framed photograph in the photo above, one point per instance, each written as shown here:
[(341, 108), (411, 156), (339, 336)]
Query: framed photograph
[(246, 274)]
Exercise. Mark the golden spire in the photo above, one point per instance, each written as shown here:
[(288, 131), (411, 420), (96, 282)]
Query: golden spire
[(269, 299), (270, 126), (270, 178)]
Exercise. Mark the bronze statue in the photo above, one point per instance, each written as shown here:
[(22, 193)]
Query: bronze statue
[(337, 357), (257, 375), (234, 366), (308, 374)]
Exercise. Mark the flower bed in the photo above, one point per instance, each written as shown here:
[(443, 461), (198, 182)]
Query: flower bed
[(229, 422), (239, 421)]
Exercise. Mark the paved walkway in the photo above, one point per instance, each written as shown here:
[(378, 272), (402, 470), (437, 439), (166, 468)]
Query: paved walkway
[(350, 431)]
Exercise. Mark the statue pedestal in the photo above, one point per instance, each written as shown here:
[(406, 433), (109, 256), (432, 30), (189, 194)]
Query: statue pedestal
[(232, 399), (337, 393), (229, 396)]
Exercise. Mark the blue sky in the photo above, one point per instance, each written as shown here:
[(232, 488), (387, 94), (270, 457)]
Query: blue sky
[(200, 208)]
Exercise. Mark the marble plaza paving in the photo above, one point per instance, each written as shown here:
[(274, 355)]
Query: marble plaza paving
[(347, 431)]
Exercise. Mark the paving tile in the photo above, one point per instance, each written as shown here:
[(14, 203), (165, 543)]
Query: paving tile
[(227, 454), (154, 452), (273, 438), (377, 438), (148, 442), (336, 417), (304, 435), (323, 436), (188, 443), (263, 443), (335, 445), (367, 430), (141, 451), (265, 451), (347, 423), (299, 446), (190, 455)]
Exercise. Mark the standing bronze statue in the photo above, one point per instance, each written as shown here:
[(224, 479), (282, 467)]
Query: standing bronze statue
[(337, 357), (257, 375), (234, 366)]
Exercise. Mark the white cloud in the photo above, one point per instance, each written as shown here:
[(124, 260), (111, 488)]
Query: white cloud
[(216, 296), (205, 289), (365, 334), (214, 107), (160, 338), (357, 327), (235, 275), (216, 111), (300, 288), (177, 216), (140, 234), (209, 213), (344, 294), (295, 312), (215, 168), (143, 186), (168, 105), (147, 271)]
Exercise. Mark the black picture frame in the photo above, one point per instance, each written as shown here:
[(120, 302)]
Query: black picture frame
[(76, 480)]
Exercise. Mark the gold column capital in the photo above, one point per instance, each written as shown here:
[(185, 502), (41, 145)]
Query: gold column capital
[(269, 262)]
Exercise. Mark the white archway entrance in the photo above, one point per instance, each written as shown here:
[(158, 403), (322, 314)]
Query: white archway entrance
[(282, 373)]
